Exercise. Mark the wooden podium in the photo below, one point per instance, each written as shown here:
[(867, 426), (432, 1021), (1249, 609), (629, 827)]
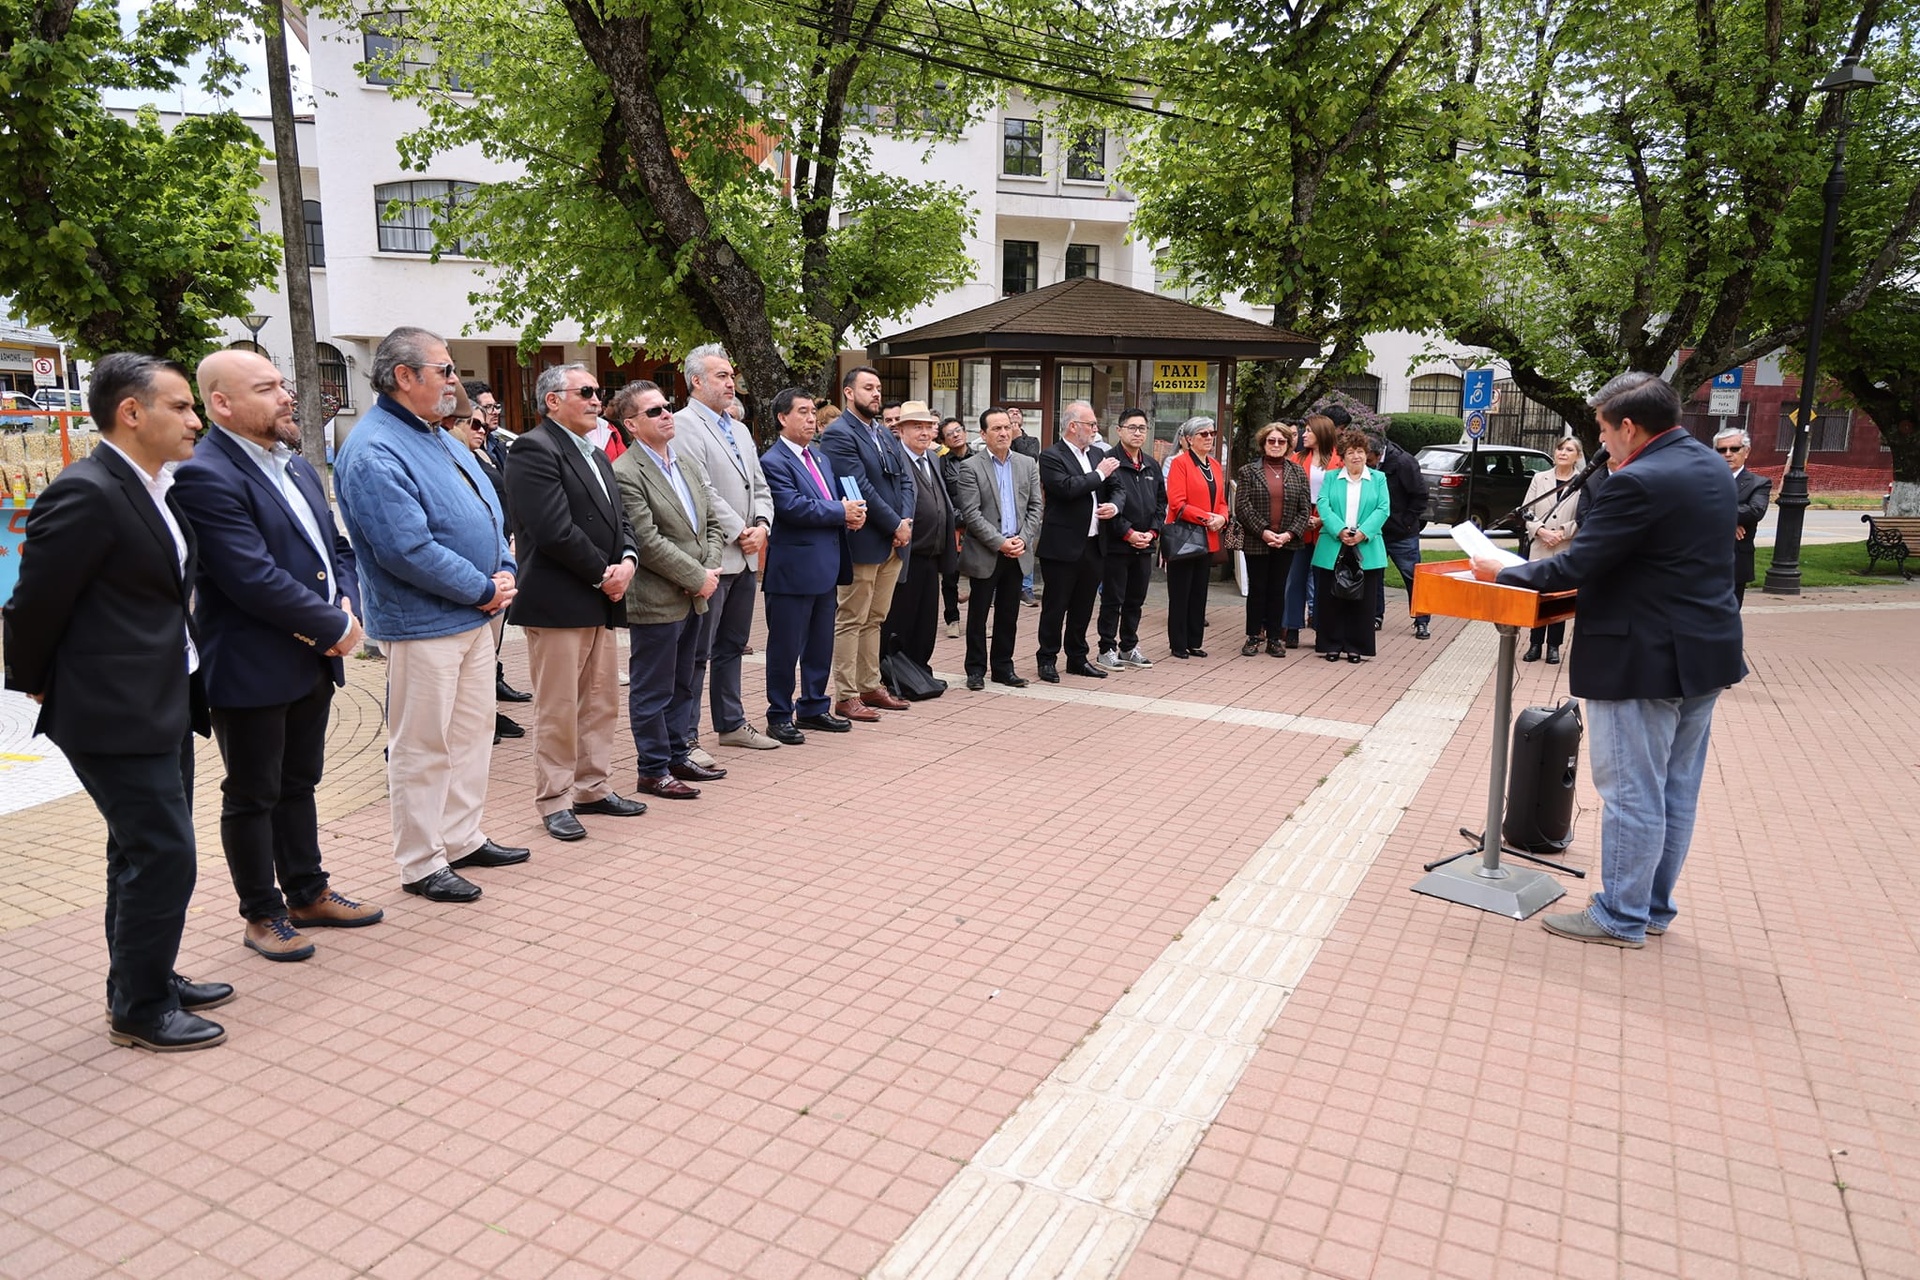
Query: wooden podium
[(1485, 884)]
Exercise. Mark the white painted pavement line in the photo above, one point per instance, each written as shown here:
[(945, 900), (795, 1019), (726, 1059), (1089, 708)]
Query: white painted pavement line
[(1279, 721), (1835, 606), (1069, 1184)]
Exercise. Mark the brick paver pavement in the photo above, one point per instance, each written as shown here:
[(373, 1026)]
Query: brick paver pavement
[(762, 1033)]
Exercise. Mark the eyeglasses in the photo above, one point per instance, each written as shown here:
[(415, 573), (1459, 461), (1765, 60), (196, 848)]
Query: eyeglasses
[(585, 393), (488, 409), (1729, 448), (1205, 435), (446, 370), (1133, 426), (658, 411)]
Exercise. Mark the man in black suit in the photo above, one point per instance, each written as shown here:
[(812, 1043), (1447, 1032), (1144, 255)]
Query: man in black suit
[(1750, 493), (275, 598), (1656, 638), (1073, 475), (98, 633), (577, 556), (913, 621)]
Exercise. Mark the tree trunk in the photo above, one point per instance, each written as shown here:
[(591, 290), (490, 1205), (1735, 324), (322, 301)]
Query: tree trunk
[(293, 230)]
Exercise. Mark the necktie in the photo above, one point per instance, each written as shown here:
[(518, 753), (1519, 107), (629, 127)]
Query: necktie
[(817, 477)]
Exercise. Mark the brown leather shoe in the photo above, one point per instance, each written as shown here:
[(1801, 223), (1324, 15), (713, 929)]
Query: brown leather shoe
[(667, 787), (884, 700), (854, 709), (688, 771), (331, 911)]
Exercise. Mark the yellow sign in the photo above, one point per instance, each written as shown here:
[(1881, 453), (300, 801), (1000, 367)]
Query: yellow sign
[(946, 375), (1175, 376)]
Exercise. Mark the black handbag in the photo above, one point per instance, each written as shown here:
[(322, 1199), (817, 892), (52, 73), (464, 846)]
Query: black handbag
[(910, 678), (1349, 580), (1183, 540)]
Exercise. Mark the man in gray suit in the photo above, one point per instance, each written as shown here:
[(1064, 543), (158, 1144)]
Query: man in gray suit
[(678, 537), (997, 499), (707, 433)]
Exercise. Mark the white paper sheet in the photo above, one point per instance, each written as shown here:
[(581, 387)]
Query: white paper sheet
[(1477, 546)]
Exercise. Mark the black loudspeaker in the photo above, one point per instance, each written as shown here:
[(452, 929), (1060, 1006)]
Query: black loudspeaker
[(1540, 775)]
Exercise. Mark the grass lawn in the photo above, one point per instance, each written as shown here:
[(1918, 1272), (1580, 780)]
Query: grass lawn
[(1823, 564)]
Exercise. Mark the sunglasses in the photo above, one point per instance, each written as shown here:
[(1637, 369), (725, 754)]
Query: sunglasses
[(585, 393), (658, 411), (444, 370), (1726, 448), (1205, 435)]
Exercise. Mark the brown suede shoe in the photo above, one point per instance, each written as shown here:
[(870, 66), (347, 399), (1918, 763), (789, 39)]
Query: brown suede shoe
[(854, 709), (276, 939), (331, 911), (884, 700)]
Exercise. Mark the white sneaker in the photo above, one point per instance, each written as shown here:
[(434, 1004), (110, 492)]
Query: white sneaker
[(1110, 659), (953, 631), (624, 677), (702, 759), (748, 736), (1134, 658)]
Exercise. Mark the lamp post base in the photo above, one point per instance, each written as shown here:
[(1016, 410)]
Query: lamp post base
[(1514, 892)]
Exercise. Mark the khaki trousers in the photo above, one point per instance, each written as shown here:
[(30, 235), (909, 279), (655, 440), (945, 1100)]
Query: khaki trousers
[(439, 747), (856, 627), (576, 707)]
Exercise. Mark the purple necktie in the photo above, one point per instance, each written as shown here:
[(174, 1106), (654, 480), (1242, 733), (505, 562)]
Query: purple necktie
[(817, 477)]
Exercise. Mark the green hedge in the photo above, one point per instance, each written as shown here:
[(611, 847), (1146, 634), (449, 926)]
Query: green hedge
[(1415, 431)]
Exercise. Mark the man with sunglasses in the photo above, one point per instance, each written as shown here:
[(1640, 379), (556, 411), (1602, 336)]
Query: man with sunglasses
[(1750, 492), (434, 567), (576, 553)]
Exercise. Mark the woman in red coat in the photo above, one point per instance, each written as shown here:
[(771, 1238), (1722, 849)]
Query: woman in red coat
[(1196, 494)]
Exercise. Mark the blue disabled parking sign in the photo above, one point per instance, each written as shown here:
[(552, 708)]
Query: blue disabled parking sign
[(1476, 391)]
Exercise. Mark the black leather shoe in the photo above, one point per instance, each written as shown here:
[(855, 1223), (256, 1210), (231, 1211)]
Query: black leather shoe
[(504, 692), (612, 806), (1081, 667), (1553, 655), (490, 854), (175, 1031), (1293, 637), (688, 771), (1532, 654), (1421, 631), (195, 995), (444, 885), (1196, 653), (976, 683), (1049, 672), (825, 722), (1011, 680), (201, 995), (783, 732), (564, 826), (505, 728)]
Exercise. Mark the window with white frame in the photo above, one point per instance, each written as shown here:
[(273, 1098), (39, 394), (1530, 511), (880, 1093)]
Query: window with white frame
[(408, 214)]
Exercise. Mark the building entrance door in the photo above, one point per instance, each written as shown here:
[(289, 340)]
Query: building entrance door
[(512, 383)]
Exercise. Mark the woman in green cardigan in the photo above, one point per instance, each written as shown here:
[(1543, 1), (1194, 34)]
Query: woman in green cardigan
[(1353, 509)]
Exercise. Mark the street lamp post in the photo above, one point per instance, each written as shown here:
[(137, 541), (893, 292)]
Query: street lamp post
[(1783, 574), (253, 322)]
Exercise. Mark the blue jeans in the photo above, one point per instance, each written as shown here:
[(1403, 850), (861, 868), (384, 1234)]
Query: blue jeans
[(1648, 757), (1299, 588), (1405, 554)]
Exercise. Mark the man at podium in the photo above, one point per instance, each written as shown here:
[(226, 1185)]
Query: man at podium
[(1656, 637)]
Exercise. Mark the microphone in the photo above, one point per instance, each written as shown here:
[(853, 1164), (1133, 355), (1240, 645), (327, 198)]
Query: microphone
[(1572, 486)]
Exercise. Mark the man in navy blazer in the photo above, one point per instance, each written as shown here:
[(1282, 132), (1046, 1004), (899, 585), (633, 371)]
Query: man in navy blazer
[(862, 448), (276, 597), (808, 559), (1656, 637)]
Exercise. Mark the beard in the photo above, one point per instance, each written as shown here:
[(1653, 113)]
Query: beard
[(444, 405), (287, 431)]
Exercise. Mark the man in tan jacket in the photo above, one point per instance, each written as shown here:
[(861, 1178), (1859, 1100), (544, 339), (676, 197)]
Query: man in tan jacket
[(677, 534)]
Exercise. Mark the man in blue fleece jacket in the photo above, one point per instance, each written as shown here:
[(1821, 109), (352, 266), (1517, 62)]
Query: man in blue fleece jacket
[(434, 567)]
